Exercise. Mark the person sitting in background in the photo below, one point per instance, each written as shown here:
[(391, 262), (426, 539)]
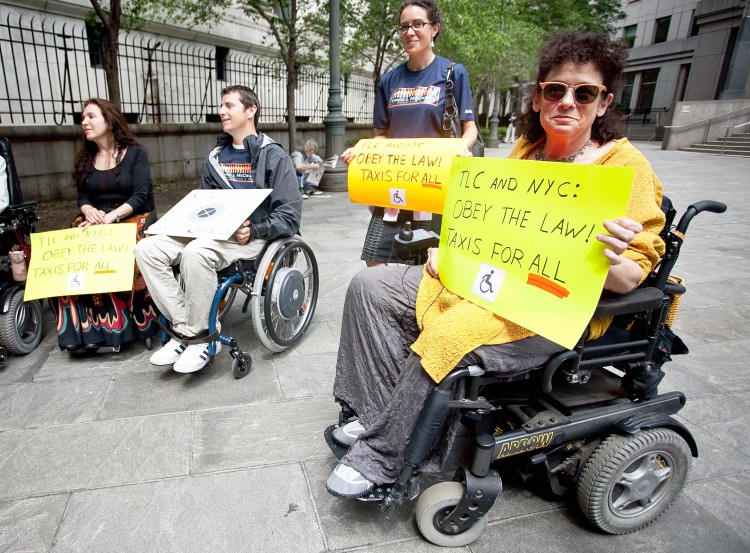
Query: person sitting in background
[(304, 162), (402, 330), (113, 180)]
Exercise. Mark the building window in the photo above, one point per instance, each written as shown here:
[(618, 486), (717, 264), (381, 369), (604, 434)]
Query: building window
[(626, 96), (95, 39), (221, 63), (662, 29), (648, 88), (628, 35), (694, 27)]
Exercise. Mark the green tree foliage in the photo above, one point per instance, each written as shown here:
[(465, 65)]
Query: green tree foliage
[(498, 40), (370, 39)]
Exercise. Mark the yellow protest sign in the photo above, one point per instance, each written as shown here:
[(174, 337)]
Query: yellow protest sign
[(519, 238), (72, 261), (405, 173)]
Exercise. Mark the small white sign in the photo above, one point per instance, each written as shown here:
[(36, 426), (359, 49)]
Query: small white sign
[(215, 214), (488, 281), (398, 196)]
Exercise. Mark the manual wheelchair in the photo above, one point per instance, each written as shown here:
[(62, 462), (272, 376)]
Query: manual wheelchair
[(281, 289), (588, 420), (21, 323)]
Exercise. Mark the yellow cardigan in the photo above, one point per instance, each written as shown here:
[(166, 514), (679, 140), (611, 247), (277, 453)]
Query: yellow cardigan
[(451, 326)]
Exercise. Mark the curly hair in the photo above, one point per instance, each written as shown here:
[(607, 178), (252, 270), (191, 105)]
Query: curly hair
[(581, 47), (121, 137), (433, 12)]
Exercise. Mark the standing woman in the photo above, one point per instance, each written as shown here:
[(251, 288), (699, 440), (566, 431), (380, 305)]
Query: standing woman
[(113, 180), (410, 103)]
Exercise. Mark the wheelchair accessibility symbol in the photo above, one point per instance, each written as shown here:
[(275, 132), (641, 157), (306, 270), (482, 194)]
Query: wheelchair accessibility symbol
[(76, 281), (488, 281), (398, 196)]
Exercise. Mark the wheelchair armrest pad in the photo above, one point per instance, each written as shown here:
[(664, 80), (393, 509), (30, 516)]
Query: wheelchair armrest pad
[(641, 299)]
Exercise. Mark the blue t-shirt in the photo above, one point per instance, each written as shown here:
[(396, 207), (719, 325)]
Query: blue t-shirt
[(410, 104), (235, 162)]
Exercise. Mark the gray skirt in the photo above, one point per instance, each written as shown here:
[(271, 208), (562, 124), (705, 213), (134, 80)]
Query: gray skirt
[(382, 380)]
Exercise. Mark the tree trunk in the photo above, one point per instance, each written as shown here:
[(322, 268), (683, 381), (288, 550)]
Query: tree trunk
[(112, 68)]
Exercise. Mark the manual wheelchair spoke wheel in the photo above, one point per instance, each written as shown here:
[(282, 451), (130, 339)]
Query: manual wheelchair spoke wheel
[(435, 503), (629, 481), (21, 327), (226, 302), (285, 293)]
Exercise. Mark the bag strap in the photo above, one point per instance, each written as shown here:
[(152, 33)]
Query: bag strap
[(451, 110)]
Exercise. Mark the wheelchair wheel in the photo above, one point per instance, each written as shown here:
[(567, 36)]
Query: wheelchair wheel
[(436, 502), (242, 364), (21, 327), (629, 481), (284, 294), (226, 302)]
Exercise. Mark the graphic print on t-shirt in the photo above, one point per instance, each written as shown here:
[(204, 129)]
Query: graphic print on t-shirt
[(415, 95), (237, 167), (239, 174)]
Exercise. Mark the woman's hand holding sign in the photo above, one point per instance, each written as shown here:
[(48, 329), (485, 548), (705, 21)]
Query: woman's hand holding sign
[(624, 273)]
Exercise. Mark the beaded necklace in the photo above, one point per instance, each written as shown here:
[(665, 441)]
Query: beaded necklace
[(540, 155)]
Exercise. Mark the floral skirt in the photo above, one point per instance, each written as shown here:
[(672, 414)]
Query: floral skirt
[(107, 319)]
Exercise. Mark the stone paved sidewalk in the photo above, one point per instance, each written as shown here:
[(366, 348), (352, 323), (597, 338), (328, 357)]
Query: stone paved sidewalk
[(110, 454)]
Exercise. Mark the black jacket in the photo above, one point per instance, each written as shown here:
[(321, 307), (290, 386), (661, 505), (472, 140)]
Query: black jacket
[(281, 212)]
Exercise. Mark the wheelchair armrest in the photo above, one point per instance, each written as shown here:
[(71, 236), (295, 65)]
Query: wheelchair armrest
[(641, 299)]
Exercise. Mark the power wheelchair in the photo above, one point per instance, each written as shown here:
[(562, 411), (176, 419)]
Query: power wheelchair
[(21, 323), (589, 420), (281, 289)]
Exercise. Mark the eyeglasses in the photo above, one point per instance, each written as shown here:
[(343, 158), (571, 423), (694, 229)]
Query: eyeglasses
[(416, 25), (583, 93)]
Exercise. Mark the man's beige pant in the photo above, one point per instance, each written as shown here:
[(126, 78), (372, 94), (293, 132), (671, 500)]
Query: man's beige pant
[(199, 260)]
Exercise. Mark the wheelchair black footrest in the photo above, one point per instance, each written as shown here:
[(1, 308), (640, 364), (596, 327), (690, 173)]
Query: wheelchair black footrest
[(336, 448)]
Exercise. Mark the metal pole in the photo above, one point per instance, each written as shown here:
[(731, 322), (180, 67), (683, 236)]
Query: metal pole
[(493, 141), (335, 121)]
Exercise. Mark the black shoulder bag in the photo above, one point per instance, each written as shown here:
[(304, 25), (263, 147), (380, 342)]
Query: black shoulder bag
[(451, 121)]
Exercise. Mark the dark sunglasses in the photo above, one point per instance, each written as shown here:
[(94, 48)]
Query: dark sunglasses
[(583, 93)]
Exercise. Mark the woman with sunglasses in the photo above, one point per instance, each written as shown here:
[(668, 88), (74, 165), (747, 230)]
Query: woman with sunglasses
[(409, 103), (397, 321)]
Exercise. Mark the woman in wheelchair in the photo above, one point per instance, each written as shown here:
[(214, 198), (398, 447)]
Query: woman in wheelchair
[(403, 331), (113, 180)]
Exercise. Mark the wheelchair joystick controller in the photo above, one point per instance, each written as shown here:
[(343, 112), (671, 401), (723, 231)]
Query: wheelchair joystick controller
[(406, 234)]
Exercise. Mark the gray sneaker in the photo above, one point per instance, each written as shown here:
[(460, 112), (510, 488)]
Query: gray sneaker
[(348, 482), (346, 435)]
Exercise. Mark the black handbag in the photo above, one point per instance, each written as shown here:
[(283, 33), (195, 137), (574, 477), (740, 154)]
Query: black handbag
[(451, 121)]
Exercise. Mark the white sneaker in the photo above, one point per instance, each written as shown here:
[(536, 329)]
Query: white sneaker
[(168, 354), (194, 359)]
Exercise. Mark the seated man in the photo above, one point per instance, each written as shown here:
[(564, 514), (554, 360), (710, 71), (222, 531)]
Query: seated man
[(242, 158), (304, 162)]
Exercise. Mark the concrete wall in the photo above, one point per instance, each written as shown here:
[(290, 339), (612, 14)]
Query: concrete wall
[(44, 155), (689, 126)]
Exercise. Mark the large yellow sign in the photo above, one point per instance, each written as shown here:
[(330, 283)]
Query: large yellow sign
[(405, 173), (72, 261), (519, 238)]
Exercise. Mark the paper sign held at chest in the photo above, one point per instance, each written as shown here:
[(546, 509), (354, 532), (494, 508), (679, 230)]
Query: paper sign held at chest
[(214, 214), (403, 173)]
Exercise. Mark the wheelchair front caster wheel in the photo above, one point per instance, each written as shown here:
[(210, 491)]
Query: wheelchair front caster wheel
[(149, 343), (3, 356), (437, 502), (242, 364)]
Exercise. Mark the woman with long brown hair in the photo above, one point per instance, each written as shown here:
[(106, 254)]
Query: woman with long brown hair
[(112, 176)]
